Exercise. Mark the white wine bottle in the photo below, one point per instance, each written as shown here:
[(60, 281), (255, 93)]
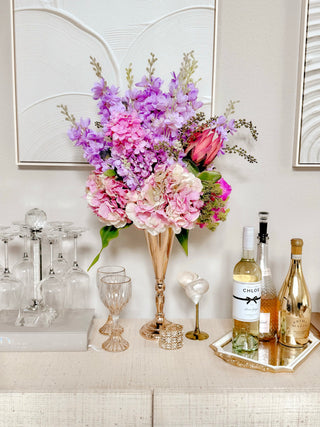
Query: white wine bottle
[(269, 298), (294, 302), (246, 297)]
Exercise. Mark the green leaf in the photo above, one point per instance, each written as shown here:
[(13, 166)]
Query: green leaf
[(192, 168), (109, 172), (212, 176), (183, 239), (107, 233)]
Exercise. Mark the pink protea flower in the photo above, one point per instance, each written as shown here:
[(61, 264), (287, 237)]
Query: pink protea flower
[(205, 146), (170, 197), (107, 197)]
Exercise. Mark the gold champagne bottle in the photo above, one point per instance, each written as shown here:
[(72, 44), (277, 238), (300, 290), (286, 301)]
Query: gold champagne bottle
[(294, 302), (246, 297)]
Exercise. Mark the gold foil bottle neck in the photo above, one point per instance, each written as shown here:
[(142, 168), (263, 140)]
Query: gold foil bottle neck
[(296, 246)]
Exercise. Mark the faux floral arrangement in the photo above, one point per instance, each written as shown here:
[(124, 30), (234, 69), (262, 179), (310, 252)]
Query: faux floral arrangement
[(153, 155)]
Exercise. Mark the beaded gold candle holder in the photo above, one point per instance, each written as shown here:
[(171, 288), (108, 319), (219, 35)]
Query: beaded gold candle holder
[(171, 337)]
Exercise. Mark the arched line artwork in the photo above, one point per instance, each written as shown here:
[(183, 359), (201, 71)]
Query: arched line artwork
[(53, 41), (307, 132)]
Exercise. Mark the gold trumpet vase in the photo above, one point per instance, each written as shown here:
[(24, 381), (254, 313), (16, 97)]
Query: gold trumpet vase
[(159, 248)]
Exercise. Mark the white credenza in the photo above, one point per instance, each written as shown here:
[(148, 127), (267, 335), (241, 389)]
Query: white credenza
[(147, 386)]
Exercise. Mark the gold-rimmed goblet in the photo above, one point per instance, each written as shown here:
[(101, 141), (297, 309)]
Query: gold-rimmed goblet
[(107, 270), (116, 293)]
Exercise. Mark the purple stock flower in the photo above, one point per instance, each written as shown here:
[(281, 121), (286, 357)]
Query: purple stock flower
[(139, 130), (99, 88)]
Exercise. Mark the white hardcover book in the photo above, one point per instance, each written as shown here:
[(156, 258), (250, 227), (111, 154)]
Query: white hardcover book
[(68, 333)]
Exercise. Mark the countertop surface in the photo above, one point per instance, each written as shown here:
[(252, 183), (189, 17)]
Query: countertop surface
[(145, 366)]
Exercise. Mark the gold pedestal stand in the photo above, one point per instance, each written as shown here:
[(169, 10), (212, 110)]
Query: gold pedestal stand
[(159, 248)]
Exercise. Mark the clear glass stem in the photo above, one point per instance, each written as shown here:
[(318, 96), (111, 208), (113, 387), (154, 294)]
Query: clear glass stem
[(37, 263), (25, 247), (60, 247), (51, 271), (6, 262), (75, 256)]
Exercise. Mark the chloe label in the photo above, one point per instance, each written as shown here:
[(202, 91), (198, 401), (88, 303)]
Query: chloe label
[(246, 301)]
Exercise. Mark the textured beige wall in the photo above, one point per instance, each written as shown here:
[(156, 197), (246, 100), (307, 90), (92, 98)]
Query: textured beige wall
[(257, 63)]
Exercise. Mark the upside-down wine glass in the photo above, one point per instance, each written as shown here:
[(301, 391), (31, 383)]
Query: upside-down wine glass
[(76, 279), (116, 292), (10, 287), (52, 288), (24, 269), (60, 264), (3, 227), (107, 270)]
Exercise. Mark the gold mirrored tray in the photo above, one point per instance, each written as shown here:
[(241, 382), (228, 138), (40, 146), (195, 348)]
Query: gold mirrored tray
[(270, 356)]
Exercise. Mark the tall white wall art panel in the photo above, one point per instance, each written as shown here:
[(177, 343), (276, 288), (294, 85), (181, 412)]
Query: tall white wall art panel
[(308, 103), (53, 42)]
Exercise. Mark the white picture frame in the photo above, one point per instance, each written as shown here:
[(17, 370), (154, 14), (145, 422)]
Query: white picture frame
[(53, 40), (306, 153)]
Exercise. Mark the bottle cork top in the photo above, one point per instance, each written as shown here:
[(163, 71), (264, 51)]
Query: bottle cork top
[(248, 238), (263, 225), (296, 246)]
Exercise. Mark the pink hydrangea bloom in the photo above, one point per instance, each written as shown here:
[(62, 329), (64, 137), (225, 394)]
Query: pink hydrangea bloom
[(126, 132), (107, 197), (170, 197)]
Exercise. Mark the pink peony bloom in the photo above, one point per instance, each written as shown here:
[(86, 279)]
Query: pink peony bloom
[(107, 197), (170, 197)]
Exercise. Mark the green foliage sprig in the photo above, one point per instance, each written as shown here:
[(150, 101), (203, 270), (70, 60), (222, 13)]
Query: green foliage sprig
[(96, 67), (68, 117), (211, 203), (188, 67), (249, 125), (129, 76), (241, 152), (231, 109), (150, 68)]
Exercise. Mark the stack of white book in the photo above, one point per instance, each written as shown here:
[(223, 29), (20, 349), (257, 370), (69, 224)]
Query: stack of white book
[(68, 333)]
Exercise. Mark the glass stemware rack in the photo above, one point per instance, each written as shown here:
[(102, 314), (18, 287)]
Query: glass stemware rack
[(43, 307)]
